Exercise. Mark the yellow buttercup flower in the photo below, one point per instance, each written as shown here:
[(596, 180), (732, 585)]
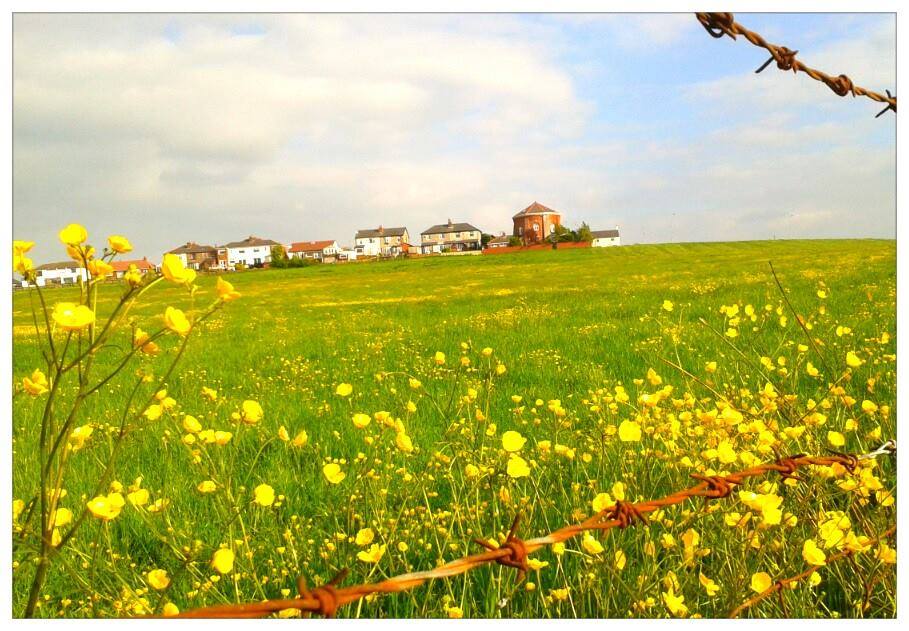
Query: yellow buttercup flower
[(251, 412), (37, 384), (99, 269), (72, 317), (106, 507), (139, 497), (264, 495), (836, 439), (62, 517), (591, 545), (173, 270), (439, 358), (361, 420), (343, 389), (517, 467), (760, 582), (119, 244), (176, 321), (668, 306), (158, 579), (675, 604), (373, 554), (206, 486), (853, 360), (708, 584), (333, 473), (364, 537), (300, 439), (191, 424), (812, 554), (223, 561), (512, 441), (226, 291), (73, 235), (629, 431), (403, 442)]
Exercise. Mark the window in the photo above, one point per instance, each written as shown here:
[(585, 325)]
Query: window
[(551, 228)]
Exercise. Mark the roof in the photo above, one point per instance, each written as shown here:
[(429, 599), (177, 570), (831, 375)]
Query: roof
[(311, 246), (501, 239), (122, 266), (535, 208), (250, 242), (604, 234), (381, 232), (192, 248), (58, 265), (450, 227)]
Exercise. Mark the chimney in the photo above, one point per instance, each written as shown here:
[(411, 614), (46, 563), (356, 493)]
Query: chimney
[(381, 230), (449, 222)]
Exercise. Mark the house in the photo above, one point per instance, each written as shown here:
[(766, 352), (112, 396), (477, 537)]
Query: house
[(318, 250), (453, 237), (62, 273), (382, 241), (197, 257), (500, 241), (347, 254), (605, 238), (251, 252), (143, 265), (535, 223)]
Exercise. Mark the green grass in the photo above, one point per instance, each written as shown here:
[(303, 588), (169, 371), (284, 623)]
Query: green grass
[(565, 324)]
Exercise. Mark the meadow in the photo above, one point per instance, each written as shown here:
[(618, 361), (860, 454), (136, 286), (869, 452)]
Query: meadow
[(408, 407)]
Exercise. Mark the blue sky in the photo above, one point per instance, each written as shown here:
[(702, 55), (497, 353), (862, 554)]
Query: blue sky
[(169, 128)]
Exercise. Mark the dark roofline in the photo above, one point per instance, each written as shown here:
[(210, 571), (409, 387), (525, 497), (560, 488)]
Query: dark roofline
[(59, 265), (604, 234), (442, 228)]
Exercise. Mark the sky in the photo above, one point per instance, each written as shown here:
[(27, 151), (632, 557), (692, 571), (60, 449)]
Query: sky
[(170, 128)]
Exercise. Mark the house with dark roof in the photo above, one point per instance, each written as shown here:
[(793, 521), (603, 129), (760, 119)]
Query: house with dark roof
[(317, 250), (60, 273), (195, 256), (536, 223), (382, 241), (451, 237), (250, 252), (605, 238), (500, 241)]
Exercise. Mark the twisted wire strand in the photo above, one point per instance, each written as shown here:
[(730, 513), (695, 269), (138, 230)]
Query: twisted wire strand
[(720, 24), (326, 599)]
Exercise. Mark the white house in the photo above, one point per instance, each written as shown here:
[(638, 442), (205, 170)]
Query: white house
[(347, 254), (605, 238), (251, 252), (63, 273), (382, 241), (318, 250)]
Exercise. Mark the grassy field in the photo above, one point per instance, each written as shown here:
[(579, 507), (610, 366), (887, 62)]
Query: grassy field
[(579, 341)]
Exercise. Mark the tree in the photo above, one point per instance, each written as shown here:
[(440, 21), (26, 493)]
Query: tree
[(513, 241), (278, 256), (584, 233), (485, 238)]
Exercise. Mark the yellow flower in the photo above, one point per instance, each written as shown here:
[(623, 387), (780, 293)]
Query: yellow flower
[(403, 442), (300, 439), (517, 467), (885, 553), (455, 612), (620, 560), (361, 420), (36, 384), (675, 604), (414, 383), (836, 439), (106, 507), (223, 561), (207, 486), (439, 358), (364, 537), (760, 582), (72, 317), (191, 424), (343, 389), (173, 270), (853, 360), (176, 321), (512, 441), (209, 393), (668, 306), (333, 473), (222, 438), (21, 247), (811, 370), (118, 244), (591, 545), (373, 555), (62, 517), (869, 407), (99, 269), (158, 579), (139, 497), (170, 609), (560, 594), (251, 412), (812, 554), (629, 431), (226, 291), (264, 495), (602, 502), (133, 276), (709, 585), (73, 235), (710, 367)]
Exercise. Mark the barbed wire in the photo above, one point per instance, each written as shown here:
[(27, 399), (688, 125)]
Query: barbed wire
[(326, 599), (720, 24), (781, 584)]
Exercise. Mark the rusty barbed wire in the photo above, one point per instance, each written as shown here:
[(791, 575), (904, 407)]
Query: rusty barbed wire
[(326, 599), (781, 584), (720, 24)]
